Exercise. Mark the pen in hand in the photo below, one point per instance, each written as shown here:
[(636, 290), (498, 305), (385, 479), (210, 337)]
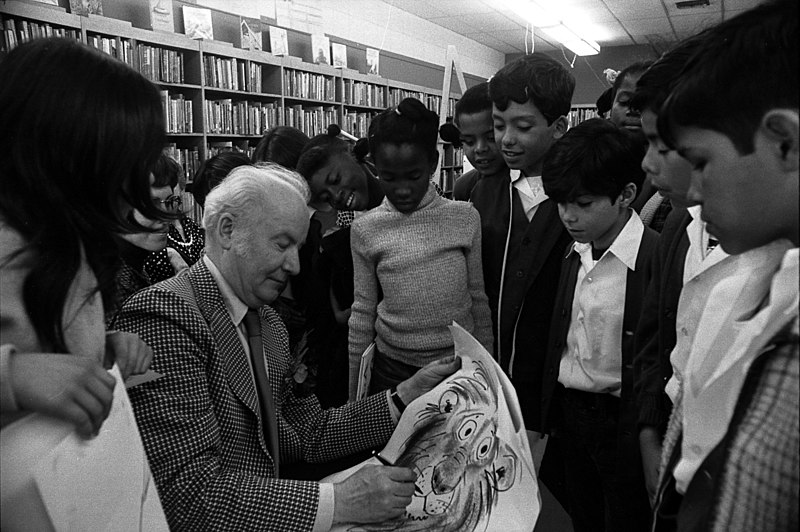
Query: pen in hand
[(381, 459)]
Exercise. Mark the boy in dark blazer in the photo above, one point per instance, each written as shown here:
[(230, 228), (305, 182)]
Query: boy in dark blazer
[(588, 407), (521, 233)]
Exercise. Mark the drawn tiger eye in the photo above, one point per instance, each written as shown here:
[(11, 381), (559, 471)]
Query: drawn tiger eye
[(448, 401), (466, 429), (484, 447)]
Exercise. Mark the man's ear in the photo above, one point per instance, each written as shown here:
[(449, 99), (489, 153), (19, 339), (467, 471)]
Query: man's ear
[(627, 195), (780, 129), (223, 230), (560, 126)]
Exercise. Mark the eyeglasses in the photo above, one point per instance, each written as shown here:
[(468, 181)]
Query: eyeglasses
[(171, 202)]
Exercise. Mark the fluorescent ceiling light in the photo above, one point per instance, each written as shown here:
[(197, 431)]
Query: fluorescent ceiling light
[(551, 23), (571, 40)]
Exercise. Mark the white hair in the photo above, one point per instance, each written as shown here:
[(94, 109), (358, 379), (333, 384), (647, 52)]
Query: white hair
[(245, 191)]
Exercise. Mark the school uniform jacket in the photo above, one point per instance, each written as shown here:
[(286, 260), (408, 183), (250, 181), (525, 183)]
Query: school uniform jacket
[(521, 265), (200, 422), (655, 334), (635, 287)]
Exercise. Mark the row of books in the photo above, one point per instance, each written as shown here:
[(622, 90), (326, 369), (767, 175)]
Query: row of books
[(226, 117), (447, 178), (161, 65), (298, 84), (189, 159), (177, 112), (579, 114), (113, 46), (310, 120), (16, 32), (226, 73), (357, 124), (453, 156), (431, 101), (360, 93)]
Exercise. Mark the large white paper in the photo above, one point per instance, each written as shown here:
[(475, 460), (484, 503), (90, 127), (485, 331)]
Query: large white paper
[(54, 480), (467, 442)]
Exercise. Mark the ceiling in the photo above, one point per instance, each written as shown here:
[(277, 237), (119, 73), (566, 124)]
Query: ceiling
[(656, 23)]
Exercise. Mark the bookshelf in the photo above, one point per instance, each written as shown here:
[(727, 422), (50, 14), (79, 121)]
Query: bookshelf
[(580, 112), (217, 96)]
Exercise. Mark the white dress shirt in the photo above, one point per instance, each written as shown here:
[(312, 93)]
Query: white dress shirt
[(743, 313), (592, 358), (700, 274)]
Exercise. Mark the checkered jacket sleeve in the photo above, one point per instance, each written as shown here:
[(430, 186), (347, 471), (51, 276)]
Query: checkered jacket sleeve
[(201, 434)]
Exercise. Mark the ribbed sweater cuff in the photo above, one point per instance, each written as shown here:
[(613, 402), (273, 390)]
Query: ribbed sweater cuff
[(651, 411)]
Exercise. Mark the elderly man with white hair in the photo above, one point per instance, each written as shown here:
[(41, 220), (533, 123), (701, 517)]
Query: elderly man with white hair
[(224, 415)]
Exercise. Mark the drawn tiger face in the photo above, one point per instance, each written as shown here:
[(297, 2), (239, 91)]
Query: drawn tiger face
[(459, 461)]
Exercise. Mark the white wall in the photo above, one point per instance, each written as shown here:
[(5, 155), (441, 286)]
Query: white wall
[(375, 23)]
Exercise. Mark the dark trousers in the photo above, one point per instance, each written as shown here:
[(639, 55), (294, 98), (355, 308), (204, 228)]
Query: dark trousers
[(604, 489), (387, 372)]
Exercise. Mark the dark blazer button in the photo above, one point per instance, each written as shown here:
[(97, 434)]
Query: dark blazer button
[(520, 274), (526, 241)]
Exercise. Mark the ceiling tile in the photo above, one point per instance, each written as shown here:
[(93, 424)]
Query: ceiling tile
[(457, 25), (492, 21), (463, 7), (420, 8), (644, 26), (643, 21), (691, 24), (739, 5)]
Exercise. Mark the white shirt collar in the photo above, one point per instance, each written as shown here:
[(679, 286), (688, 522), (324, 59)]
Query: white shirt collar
[(530, 189), (236, 307), (625, 247)]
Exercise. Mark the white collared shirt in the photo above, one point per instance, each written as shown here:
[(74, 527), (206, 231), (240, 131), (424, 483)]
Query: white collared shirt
[(531, 191), (743, 313), (236, 310), (698, 279), (592, 358)]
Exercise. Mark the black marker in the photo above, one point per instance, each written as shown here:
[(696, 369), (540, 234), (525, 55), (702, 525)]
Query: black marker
[(381, 459)]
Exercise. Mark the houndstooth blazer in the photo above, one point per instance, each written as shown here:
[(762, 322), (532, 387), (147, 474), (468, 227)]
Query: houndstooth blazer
[(200, 423)]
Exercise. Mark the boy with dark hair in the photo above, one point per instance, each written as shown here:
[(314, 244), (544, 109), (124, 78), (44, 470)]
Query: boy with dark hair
[(521, 234), (677, 292), (730, 459), (593, 173), (473, 117)]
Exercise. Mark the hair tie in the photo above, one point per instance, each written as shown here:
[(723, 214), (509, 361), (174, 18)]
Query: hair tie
[(361, 149), (449, 132), (397, 110), (334, 130)]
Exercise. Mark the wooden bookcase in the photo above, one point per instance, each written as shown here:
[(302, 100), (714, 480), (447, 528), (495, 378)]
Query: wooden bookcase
[(217, 96), (581, 112)]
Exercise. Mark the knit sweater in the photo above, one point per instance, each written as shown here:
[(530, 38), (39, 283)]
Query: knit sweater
[(415, 273)]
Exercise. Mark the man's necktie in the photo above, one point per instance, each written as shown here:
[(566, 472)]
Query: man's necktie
[(252, 323)]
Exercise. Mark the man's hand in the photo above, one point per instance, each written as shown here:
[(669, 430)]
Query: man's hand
[(131, 354), (373, 494), (427, 378), (68, 387), (650, 447)]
